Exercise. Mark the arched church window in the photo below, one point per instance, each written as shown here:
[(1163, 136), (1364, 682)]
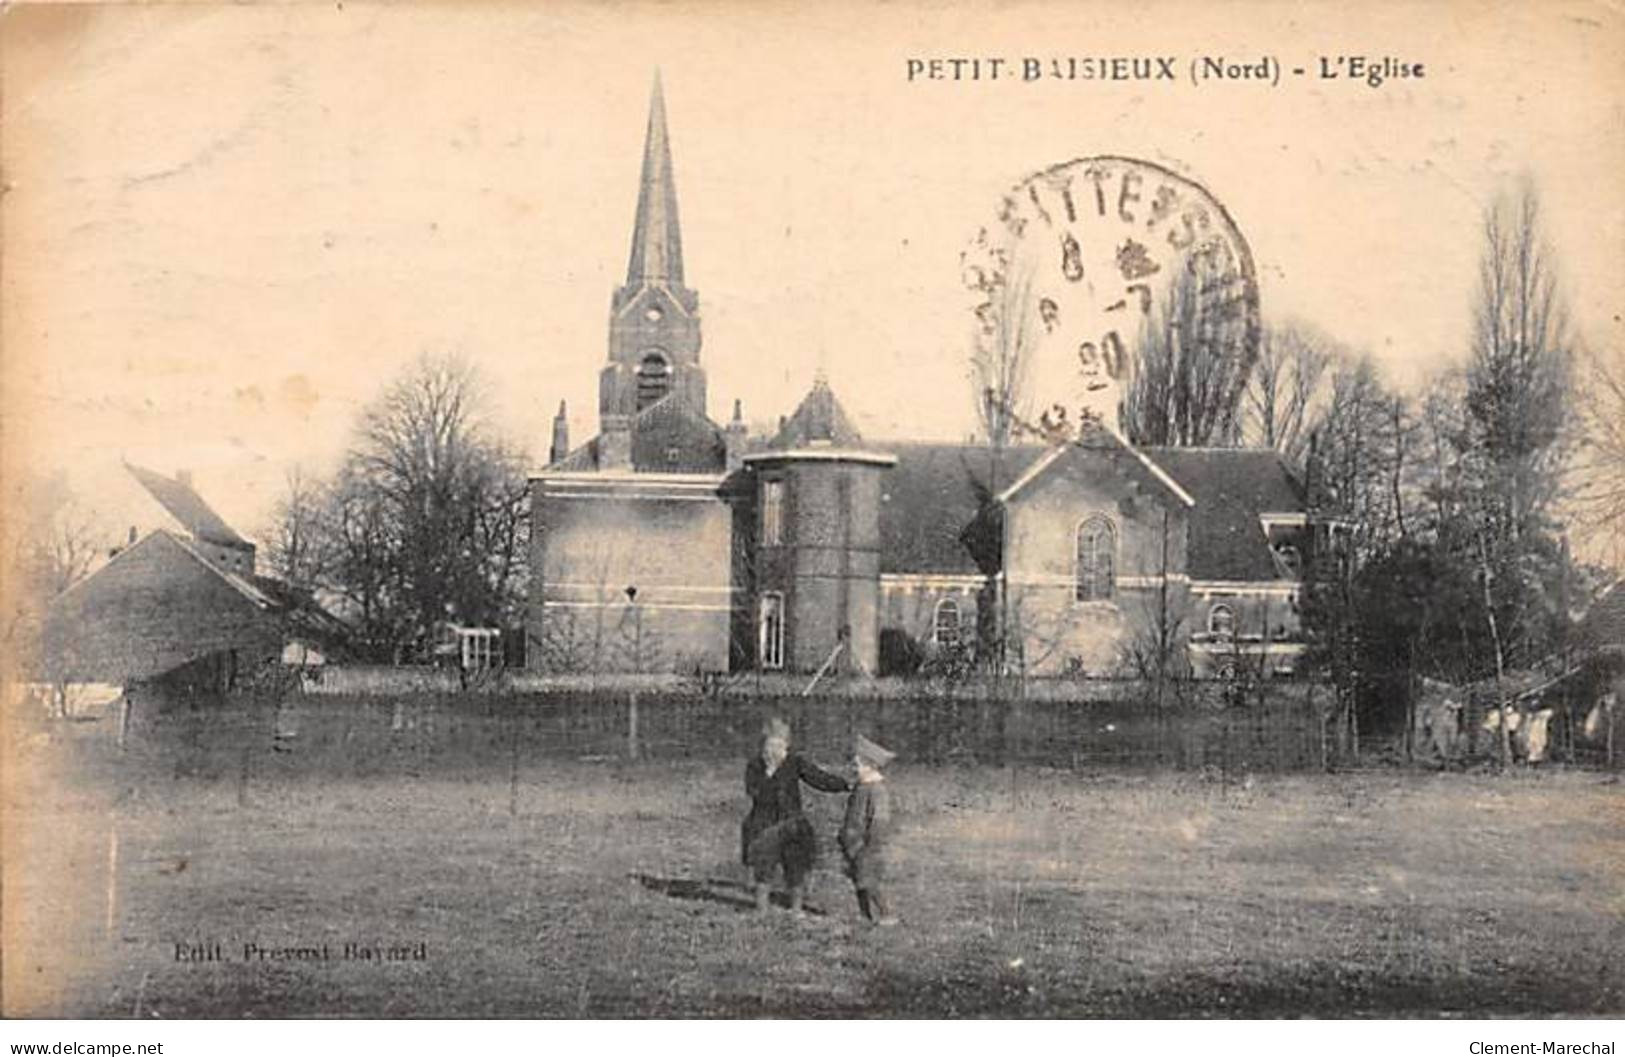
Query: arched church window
[(1221, 621), (945, 629), (1097, 560), (1289, 561), (654, 379)]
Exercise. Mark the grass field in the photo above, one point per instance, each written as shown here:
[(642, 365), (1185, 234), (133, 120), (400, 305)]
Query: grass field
[(605, 889)]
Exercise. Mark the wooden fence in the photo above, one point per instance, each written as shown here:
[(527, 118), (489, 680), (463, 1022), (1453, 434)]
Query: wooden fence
[(1284, 727)]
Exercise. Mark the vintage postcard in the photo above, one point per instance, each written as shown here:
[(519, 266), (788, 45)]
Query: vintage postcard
[(730, 510)]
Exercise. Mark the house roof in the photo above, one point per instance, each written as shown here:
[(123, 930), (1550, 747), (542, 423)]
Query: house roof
[(304, 615), (1100, 439), (1232, 487), (267, 593), (186, 507), (936, 491), (932, 496), (161, 603), (1603, 626)]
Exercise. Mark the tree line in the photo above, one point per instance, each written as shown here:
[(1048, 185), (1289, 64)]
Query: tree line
[(424, 522), (1457, 503), (1453, 507)]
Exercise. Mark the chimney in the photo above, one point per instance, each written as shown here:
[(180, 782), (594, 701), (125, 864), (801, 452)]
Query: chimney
[(561, 436), (735, 439), (184, 477)]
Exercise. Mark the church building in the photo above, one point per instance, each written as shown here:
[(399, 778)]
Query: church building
[(668, 542)]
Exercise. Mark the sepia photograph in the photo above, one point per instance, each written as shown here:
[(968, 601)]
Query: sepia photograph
[(735, 511)]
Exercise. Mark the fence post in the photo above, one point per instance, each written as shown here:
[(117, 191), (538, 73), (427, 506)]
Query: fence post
[(632, 726), (513, 763), (1320, 725), (112, 874), (1610, 753), (248, 739), (1354, 729)]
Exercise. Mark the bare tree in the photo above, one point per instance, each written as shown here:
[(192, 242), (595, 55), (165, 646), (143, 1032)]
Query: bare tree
[(1007, 331), (293, 540), (1518, 376), (1436, 465), (1155, 650), (1196, 353), (51, 544), (1515, 438), (1288, 390), (1357, 450), (1598, 474), (1005, 335), (356, 550), (425, 520)]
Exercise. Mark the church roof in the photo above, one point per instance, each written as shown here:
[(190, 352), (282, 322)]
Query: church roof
[(668, 436), (820, 421), (186, 507), (657, 239), (1232, 487), (932, 496)]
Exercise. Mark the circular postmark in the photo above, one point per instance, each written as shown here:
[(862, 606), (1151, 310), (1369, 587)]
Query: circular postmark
[(1095, 263)]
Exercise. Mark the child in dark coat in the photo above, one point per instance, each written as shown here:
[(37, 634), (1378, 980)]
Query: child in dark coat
[(867, 829), (777, 834)]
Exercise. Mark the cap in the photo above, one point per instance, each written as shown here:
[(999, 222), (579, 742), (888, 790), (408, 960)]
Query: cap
[(872, 754)]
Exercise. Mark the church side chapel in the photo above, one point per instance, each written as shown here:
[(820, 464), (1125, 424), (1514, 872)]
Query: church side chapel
[(669, 543)]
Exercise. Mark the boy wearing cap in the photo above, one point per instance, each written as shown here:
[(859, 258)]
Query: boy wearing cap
[(866, 829)]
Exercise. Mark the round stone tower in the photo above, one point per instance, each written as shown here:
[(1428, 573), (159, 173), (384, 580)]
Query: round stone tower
[(817, 542)]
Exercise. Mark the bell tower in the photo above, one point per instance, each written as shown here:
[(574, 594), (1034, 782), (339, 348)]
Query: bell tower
[(654, 321)]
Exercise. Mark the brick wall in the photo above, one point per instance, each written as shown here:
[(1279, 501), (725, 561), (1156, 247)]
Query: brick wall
[(1056, 631), (587, 549), (152, 609)]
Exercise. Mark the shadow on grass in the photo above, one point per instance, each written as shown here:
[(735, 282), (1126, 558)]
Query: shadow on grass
[(715, 890)]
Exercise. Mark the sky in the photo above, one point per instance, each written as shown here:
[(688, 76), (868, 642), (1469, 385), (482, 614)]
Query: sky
[(226, 228)]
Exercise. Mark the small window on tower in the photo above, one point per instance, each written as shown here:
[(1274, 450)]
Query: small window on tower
[(772, 513)]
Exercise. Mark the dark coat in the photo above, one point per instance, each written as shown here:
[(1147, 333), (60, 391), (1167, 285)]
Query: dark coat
[(776, 798), (865, 833)]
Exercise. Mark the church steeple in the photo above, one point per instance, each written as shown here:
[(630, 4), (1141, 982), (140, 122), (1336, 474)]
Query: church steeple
[(654, 319), (657, 239)]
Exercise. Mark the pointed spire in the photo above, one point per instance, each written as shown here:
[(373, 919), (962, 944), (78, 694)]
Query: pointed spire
[(657, 242), (820, 421)]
